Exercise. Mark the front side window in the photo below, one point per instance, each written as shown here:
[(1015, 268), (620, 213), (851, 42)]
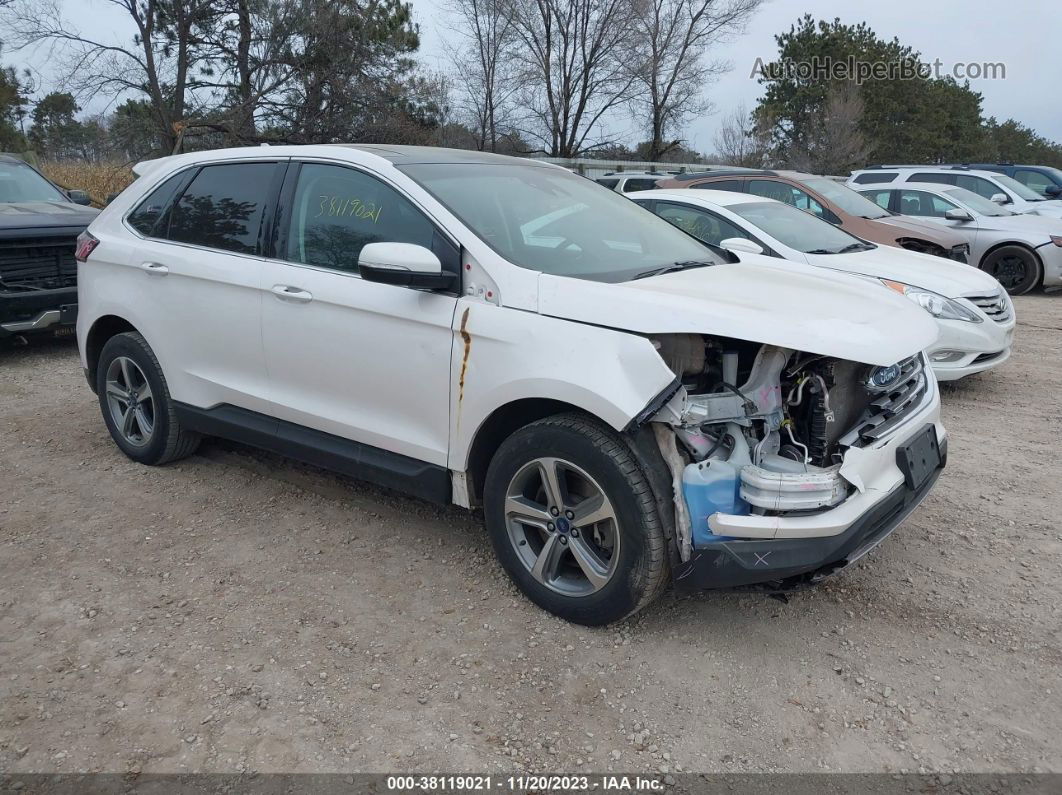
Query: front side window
[(797, 229), (337, 211), (1016, 188), (977, 203), (222, 207), (20, 183), (1034, 180), (844, 197), (926, 205), (548, 220), (702, 224)]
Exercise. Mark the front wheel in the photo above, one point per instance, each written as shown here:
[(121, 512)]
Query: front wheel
[(1015, 267), (573, 520)]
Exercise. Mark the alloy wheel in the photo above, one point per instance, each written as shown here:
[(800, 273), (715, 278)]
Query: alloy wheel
[(130, 401), (563, 526)]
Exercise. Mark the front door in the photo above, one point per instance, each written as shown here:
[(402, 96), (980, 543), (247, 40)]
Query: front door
[(361, 360)]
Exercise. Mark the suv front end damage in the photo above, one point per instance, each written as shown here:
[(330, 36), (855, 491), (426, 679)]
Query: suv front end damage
[(788, 466)]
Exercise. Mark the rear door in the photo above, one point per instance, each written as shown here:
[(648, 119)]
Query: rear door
[(365, 361), (200, 266)]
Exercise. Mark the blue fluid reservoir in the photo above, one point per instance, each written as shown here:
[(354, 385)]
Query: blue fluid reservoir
[(709, 487)]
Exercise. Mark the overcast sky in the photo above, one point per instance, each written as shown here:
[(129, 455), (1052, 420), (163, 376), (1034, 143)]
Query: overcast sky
[(1023, 36)]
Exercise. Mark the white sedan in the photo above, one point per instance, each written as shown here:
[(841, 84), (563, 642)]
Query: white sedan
[(974, 314)]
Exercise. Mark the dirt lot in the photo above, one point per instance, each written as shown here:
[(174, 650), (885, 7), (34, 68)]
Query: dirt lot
[(239, 612)]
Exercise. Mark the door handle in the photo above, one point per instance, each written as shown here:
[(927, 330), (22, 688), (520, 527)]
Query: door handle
[(285, 292), (155, 267)]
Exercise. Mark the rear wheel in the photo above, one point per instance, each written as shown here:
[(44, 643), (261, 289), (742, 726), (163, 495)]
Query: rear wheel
[(573, 520), (1015, 267), (136, 403)]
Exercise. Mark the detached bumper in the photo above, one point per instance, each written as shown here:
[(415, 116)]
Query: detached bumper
[(33, 311), (785, 564)]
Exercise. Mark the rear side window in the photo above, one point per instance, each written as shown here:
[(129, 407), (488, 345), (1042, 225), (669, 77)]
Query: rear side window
[(940, 179), (608, 183), (721, 184), (223, 207), (872, 177), (632, 185), (148, 217)]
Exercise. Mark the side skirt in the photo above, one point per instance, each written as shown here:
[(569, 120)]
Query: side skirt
[(364, 462)]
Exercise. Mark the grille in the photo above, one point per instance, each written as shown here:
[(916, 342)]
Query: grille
[(995, 305), (890, 409), (38, 263)]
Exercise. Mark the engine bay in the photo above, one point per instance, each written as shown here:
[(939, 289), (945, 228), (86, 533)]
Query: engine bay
[(759, 429)]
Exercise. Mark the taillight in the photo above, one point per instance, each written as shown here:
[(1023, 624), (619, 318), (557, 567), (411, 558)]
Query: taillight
[(86, 244)]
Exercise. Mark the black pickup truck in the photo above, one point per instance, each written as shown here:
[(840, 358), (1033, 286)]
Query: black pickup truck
[(39, 223)]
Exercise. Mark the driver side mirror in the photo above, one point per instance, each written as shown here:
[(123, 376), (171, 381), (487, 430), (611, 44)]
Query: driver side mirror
[(957, 214), (1000, 198), (79, 197), (741, 244), (405, 265), (1053, 190)]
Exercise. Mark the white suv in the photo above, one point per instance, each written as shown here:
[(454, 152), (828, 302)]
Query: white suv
[(624, 403)]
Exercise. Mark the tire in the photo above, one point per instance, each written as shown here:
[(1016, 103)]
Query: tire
[(606, 523), (1015, 267), (144, 428)]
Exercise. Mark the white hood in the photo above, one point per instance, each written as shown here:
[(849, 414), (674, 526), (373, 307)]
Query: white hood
[(947, 277), (759, 299), (1036, 229), (1050, 207)]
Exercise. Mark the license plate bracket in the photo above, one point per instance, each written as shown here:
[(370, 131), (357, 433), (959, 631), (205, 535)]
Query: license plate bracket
[(919, 458)]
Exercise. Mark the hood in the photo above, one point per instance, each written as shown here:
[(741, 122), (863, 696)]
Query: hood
[(947, 277), (927, 229), (37, 215), (1035, 228), (1051, 208), (760, 299)]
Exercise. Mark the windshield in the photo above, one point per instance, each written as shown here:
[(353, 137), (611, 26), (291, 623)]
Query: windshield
[(552, 221), (1024, 191), (846, 198), (798, 229), (20, 183), (978, 203)]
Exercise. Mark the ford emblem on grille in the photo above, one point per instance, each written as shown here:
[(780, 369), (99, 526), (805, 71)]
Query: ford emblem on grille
[(880, 379)]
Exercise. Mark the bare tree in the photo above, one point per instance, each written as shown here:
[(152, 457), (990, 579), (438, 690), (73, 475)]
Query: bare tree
[(741, 140), (161, 60), (671, 70), (834, 144), (574, 56), (485, 71)]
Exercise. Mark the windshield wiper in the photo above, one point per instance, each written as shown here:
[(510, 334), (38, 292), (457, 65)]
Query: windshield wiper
[(675, 266)]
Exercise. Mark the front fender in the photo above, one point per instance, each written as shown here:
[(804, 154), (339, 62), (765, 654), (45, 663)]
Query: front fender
[(501, 355)]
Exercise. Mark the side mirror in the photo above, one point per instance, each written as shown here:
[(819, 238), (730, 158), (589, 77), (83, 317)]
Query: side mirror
[(1000, 198), (957, 214), (1053, 190), (79, 197), (405, 265), (740, 244)]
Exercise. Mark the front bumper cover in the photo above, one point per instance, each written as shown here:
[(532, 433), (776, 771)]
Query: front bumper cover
[(786, 564), (32, 311)]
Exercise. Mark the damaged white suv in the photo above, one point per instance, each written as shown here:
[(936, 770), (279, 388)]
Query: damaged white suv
[(628, 405)]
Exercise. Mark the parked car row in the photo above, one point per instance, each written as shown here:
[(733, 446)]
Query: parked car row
[(631, 400), (1021, 246)]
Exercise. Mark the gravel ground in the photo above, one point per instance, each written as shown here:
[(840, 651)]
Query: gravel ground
[(238, 612)]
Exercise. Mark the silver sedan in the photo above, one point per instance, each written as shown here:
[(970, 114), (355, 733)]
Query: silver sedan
[(1021, 251)]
